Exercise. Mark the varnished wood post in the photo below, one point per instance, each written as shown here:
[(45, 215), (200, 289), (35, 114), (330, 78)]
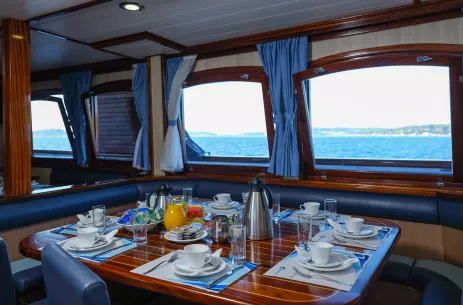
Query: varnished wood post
[(17, 128)]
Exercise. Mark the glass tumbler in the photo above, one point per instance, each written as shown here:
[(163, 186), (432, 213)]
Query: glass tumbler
[(276, 207), (245, 196), (304, 229), (99, 217), (140, 228), (238, 244), (188, 195), (330, 209)]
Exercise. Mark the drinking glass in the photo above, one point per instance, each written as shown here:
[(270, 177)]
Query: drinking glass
[(188, 195), (99, 217), (304, 229), (330, 208), (276, 207), (238, 244), (140, 228), (245, 196)]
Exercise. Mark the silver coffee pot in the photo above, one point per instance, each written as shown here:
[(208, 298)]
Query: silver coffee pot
[(257, 216), (160, 197)]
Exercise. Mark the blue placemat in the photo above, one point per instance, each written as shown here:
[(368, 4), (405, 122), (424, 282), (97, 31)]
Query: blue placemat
[(72, 229), (166, 273), (127, 244)]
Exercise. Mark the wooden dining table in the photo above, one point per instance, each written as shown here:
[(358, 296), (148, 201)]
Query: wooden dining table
[(252, 288)]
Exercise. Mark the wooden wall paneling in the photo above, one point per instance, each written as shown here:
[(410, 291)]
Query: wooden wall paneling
[(17, 126), (456, 110), (14, 237), (453, 246)]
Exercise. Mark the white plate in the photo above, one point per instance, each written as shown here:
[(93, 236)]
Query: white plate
[(229, 206), (182, 269), (334, 261), (171, 238), (352, 236), (149, 226), (345, 264), (320, 214), (70, 245), (109, 220)]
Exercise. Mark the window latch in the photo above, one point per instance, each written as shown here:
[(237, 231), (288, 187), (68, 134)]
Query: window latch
[(423, 58), (324, 176), (184, 84), (440, 182), (319, 70), (244, 76)]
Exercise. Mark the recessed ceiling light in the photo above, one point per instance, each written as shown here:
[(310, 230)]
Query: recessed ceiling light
[(131, 6)]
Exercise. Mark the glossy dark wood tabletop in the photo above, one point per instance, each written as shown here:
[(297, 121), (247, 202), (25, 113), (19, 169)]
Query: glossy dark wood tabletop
[(253, 288)]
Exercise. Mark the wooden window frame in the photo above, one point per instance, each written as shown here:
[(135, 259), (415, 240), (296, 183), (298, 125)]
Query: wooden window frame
[(224, 165), (46, 95), (440, 55), (94, 162)]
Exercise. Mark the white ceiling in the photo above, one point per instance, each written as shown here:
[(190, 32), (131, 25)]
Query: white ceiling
[(188, 22)]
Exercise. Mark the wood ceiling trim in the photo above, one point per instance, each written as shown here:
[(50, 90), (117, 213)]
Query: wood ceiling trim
[(139, 36), (373, 21), (79, 42), (67, 10)]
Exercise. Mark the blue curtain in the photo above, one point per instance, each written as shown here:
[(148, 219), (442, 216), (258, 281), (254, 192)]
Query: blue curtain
[(74, 85), (141, 157), (282, 59), (171, 68)]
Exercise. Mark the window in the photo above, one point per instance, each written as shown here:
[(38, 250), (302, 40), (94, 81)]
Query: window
[(227, 116), (373, 116), (112, 120), (51, 133)]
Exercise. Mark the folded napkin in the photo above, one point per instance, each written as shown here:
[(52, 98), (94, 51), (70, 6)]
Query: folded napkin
[(71, 229)]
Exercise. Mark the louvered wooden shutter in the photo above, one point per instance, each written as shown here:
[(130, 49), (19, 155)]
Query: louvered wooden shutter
[(118, 125)]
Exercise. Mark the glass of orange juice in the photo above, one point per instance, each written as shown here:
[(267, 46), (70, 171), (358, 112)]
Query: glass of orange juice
[(175, 216)]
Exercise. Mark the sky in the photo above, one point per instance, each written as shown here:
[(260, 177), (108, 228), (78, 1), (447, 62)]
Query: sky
[(46, 115), (225, 108), (382, 97)]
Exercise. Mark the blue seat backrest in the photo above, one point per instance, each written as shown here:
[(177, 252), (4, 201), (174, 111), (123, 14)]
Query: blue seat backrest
[(68, 281), (22, 213), (398, 207), (451, 212), (176, 185), (7, 296)]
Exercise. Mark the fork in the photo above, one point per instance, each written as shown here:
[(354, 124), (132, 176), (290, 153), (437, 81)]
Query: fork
[(311, 275), (170, 260)]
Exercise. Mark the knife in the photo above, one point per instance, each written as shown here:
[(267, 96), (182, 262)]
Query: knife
[(290, 212), (223, 277)]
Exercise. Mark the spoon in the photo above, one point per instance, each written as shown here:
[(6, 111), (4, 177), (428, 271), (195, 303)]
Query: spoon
[(82, 218)]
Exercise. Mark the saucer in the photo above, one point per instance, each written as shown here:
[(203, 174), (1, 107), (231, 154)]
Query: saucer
[(320, 214), (229, 206), (172, 238), (367, 232), (334, 261), (89, 224), (347, 263), (182, 268), (74, 245)]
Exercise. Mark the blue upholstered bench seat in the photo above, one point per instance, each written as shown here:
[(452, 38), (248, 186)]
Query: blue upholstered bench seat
[(27, 274)]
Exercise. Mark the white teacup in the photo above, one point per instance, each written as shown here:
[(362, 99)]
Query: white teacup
[(321, 252), (197, 255), (354, 225), (88, 236), (311, 208), (222, 198)]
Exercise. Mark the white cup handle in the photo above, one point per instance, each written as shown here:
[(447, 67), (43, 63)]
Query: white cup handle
[(215, 198), (302, 207), (208, 259)]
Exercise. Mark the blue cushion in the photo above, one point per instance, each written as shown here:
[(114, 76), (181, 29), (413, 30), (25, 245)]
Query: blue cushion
[(23, 213), (397, 269), (442, 293), (27, 280), (7, 296), (208, 189), (451, 213), (68, 281)]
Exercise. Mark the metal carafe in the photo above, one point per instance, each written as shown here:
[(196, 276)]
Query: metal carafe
[(220, 228), (257, 217), (161, 197)]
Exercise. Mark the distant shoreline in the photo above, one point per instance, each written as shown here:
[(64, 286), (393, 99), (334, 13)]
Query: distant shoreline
[(327, 136)]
